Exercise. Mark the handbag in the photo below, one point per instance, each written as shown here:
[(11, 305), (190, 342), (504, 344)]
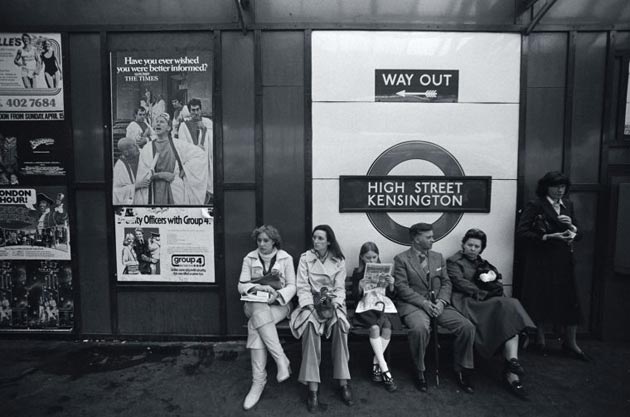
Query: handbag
[(492, 288), (323, 303)]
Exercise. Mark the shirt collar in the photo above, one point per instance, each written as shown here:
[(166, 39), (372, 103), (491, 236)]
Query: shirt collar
[(552, 201), (420, 253)]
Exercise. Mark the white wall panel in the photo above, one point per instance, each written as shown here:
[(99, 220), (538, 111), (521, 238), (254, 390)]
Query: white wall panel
[(344, 62), (351, 130), (482, 137)]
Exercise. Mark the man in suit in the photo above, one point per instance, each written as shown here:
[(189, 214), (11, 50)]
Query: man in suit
[(143, 253), (417, 272)]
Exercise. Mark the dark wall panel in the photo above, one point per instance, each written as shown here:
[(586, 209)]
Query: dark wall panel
[(283, 58), (544, 126), (169, 311), (92, 260), (544, 129), (283, 184), (585, 211), (238, 106), (588, 103), (283, 135), (546, 62), (240, 220), (87, 109)]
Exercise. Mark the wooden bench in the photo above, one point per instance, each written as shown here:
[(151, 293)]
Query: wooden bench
[(283, 327)]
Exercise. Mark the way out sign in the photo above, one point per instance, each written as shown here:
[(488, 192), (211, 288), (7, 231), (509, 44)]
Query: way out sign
[(416, 86)]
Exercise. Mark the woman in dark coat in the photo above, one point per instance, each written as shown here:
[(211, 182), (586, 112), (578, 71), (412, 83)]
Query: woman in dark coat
[(478, 295), (547, 230)]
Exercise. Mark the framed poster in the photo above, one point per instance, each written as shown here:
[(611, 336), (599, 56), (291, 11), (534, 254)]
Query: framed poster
[(165, 244), (162, 128), (34, 223), (33, 153), (36, 295), (31, 74)]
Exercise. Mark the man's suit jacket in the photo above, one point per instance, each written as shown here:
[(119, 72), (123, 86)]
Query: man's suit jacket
[(413, 283)]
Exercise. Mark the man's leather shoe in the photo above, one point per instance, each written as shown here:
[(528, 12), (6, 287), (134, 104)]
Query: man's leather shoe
[(463, 380), (421, 383), (312, 401), (346, 394)]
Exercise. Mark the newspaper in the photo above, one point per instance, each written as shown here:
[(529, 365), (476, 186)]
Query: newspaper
[(256, 297), (374, 285)]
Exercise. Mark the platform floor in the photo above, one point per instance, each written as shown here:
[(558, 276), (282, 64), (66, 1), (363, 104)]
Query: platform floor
[(59, 378)]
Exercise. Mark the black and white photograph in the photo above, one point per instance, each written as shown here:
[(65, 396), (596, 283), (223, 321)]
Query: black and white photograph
[(162, 128)]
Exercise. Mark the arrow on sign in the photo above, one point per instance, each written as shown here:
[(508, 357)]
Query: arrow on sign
[(427, 94)]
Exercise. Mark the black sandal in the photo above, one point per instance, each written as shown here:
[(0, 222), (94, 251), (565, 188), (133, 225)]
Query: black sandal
[(388, 380), (377, 375)]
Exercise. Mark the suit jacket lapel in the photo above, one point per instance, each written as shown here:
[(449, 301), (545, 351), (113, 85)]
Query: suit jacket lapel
[(414, 260)]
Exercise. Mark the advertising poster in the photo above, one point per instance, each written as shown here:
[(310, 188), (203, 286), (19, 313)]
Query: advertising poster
[(33, 153), (162, 128), (31, 74), (36, 295), (165, 244), (34, 223)]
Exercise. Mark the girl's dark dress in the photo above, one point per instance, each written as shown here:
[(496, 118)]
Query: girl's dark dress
[(370, 318)]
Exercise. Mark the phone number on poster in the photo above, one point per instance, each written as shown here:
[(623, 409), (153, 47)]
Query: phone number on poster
[(29, 102)]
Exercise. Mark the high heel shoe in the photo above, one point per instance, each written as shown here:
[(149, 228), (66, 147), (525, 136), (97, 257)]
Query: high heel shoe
[(516, 388), (581, 356), (514, 366)]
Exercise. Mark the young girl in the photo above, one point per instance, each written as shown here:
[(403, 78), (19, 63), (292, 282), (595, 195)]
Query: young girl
[(375, 310)]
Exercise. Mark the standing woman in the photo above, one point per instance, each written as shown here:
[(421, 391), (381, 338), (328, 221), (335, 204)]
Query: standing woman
[(321, 291), (52, 68), (547, 230), (267, 269)]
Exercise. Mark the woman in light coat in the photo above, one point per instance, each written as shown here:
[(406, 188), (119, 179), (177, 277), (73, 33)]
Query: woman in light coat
[(268, 271), (321, 278)]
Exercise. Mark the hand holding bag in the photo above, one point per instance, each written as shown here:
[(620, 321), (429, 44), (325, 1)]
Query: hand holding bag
[(483, 280), (323, 303)]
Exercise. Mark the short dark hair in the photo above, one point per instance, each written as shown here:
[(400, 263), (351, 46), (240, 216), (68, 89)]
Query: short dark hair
[(476, 234), (550, 179), (418, 228), (270, 231), (194, 102), (135, 113), (330, 236)]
